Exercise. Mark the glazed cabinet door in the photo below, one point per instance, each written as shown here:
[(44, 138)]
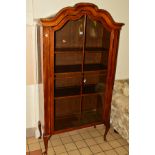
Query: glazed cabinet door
[(97, 42), (68, 50)]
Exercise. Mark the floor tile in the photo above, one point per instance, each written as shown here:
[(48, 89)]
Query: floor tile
[(86, 141), (85, 135), (66, 140), (100, 126), (76, 137), (56, 142), (105, 146), (37, 152), (116, 135), (34, 146), (121, 151), (51, 151), (32, 140), (40, 140), (74, 132), (90, 141), (114, 143), (91, 129), (126, 147), (65, 153), (70, 146), (110, 152), (80, 144), (65, 134), (59, 149), (83, 130), (99, 140), (74, 152), (101, 153), (122, 141), (101, 131), (110, 137), (54, 137), (85, 151), (42, 144), (95, 149), (94, 134)]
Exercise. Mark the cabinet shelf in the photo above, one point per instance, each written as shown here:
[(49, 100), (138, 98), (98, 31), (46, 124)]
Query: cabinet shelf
[(78, 68), (68, 68), (73, 50), (94, 67), (75, 91), (67, 91), (93, 88)]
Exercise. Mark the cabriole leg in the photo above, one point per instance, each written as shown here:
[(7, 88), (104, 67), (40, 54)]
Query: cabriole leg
[(45, 138), (39, 127), (106, 130)]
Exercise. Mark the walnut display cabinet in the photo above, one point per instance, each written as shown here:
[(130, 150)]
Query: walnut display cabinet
[(79, 46)]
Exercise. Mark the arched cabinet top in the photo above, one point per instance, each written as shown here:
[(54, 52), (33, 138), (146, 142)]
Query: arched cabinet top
[(79, 10)]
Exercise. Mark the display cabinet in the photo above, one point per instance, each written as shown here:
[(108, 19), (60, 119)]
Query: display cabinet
[(79, 46)]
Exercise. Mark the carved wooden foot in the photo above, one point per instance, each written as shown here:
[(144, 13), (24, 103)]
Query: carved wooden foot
[(45, 138), (95, 126), (106, 131), (39, 127)]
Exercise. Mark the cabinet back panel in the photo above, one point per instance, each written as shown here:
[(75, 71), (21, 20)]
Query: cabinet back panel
[(68, 106), (72, 58)]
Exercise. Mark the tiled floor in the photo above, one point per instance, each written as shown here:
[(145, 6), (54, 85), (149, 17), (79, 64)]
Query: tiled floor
[(87, 141)]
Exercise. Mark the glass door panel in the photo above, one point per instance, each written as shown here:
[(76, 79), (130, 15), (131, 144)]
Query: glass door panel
[(97, 45), (92, 108), (69, 47), (67, 113), (68, 58), (92, 97), (70, 36)]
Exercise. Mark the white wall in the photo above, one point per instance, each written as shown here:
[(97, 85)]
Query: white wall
[(119, 9)]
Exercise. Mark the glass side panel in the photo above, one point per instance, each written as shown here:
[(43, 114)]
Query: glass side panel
[(67, 113), (70, 86), (69, 46), (96, 46), (93, 94), (70, 36)]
